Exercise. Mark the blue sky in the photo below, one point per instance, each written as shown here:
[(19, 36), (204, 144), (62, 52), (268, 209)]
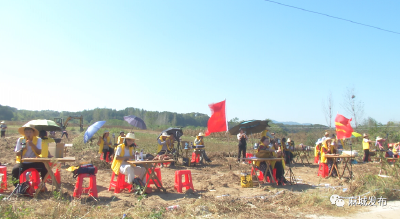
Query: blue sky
[(266, 60)]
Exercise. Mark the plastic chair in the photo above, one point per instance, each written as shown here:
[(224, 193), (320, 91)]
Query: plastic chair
[(107, 157), (3, 184), (152, 181), (164, 164), (34, 178), (119, 184), (91, 190), (195, 158), (260, 174), (249, 155), (188, 184), (323, 170)]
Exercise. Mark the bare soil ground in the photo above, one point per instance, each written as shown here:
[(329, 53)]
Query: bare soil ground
[(217, 191)]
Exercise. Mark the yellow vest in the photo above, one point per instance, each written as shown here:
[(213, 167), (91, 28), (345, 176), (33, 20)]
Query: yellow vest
[(102, 144), (317, 149), (34, 141), (159, 148), (117, 163), (201, 142), (323, 158), (120, 140), (45, 147), (365, 145), (265, 154)]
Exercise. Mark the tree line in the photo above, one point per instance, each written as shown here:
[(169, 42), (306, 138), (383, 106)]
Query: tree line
[(153, 119)]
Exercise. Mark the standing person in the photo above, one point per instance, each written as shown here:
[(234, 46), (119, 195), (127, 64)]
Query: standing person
[(326, 135), (366, 143), (123, 153), (379, 143), (242, 138), (105, 145), (45, 143), (325, 150), (28, 146), (3, 127), (331, 150), (121, 136), (64, 133), (199, 141)]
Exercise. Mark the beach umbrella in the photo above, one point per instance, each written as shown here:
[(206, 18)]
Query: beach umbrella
[(176, 132), (250, 127), (92, 130), (135, 121), (43, 124)]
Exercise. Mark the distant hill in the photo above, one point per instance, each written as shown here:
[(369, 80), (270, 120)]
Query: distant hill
[(290, 123)]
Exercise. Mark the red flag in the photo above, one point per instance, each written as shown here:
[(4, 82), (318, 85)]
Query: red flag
[(343, 127), (217, 121)]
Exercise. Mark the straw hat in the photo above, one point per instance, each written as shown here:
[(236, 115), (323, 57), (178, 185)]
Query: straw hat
[(319, 141), (288, 140), (201, 134), (326, 134), (2, 122), (22, 129), (365, 135), (164, 134), (378, 138), (130, 136)]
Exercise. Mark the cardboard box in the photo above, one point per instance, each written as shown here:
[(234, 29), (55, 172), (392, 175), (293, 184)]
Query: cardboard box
[(56, 150)]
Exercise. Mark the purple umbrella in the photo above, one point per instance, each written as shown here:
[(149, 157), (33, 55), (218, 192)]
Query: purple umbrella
[(135, 121)]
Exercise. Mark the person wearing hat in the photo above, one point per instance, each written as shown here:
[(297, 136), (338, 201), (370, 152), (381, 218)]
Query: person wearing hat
[(123, 153), (105, 145), (332, 151), (3, 127), (288, 153), (199, 141), (325, 149), (242, 138), (121, 136), (45, 143), (389, 152), (326, 135), (28, 146), (164, 144), (366, 143), (317, 150), (379, 143)]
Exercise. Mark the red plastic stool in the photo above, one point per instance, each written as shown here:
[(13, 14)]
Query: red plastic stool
[(188, 184), (248, 155), (91, 190), (164, 164), (152, 181), (3, 184), (273, 175), (34, 178), (260, 174), (195, 158), (102, 157), (119, 184), (323, 170)]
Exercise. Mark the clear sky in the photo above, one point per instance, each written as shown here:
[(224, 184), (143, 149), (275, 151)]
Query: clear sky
[(266, 60)]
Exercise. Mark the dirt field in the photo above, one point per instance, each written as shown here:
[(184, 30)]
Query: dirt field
[(217, 191)]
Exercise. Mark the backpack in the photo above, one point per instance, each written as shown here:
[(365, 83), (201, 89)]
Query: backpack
[(84, 169), (25, 188)]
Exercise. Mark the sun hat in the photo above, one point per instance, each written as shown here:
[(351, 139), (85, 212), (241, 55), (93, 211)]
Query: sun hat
[(130, 136), (378, 138), (288, 140), (22, 129), (365, 135), (164, 134), (319, 141), (326, 133), (201, 134)]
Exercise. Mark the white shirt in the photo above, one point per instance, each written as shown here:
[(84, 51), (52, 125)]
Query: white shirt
[(238, 136), (126, 150), (29, 153)]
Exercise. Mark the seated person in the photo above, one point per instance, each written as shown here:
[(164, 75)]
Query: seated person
[(396, 150), (28, 146), (389, 152), (120, 139), (164, 144), (123, 153), (105, 145), (45, 143), (199, 141)]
